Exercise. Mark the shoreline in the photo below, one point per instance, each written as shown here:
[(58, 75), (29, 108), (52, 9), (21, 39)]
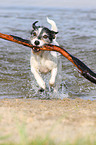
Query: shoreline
[(58, 119)]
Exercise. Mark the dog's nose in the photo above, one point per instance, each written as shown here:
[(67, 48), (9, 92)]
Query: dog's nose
[(37, 42)]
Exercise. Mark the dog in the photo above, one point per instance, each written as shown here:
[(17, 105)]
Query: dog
[(41, 61)]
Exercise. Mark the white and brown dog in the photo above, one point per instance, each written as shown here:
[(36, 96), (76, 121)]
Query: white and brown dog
[(41, 61)]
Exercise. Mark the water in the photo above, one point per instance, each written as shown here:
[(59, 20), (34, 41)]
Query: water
[(77, 33)]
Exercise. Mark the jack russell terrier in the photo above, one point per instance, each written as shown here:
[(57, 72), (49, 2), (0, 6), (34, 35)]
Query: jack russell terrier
[(41, 61)]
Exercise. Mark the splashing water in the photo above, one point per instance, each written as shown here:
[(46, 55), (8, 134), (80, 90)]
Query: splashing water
[(76, 33)]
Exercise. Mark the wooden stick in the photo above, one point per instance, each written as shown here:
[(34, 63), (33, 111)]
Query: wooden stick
[(83, 69)]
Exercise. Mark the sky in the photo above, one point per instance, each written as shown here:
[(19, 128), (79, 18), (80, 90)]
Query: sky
[(51, 3)]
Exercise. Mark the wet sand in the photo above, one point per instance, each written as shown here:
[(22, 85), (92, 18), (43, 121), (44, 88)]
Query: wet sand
[(59, 120)]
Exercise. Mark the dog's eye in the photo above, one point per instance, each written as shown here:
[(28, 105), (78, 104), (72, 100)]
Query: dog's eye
[(45, 36), (34, 34)]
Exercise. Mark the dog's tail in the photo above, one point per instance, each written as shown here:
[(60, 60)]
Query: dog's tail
[(53, 25)]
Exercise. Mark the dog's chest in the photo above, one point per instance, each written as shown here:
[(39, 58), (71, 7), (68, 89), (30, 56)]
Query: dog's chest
[(45, 62)]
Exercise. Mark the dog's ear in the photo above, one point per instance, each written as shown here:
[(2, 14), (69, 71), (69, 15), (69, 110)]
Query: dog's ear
[(54, 34), (34, 26)]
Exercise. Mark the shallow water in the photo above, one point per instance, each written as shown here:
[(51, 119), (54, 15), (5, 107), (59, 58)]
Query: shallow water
[(77, 33)]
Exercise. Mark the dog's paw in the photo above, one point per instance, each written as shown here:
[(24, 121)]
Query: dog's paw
[(42, 85), (51, 82)]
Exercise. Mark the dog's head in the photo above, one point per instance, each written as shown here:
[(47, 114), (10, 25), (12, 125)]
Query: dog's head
[(41, 35)]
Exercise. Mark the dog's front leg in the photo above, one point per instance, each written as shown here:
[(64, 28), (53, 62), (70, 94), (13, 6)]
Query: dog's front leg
[(53, 76), (38, 78), (34, 70)]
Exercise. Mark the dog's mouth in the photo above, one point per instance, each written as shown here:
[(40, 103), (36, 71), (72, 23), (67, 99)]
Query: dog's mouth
[(36, 49)]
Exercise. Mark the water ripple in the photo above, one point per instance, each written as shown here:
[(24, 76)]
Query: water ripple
[(77, 33)]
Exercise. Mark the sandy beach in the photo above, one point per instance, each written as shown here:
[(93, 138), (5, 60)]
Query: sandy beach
[(59, 120)]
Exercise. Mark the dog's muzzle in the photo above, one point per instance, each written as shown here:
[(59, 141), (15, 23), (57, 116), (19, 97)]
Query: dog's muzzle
[(36, 48)]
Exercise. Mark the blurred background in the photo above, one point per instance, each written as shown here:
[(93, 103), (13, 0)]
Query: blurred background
[(76, 22), (51, 3)]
